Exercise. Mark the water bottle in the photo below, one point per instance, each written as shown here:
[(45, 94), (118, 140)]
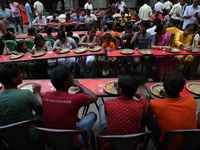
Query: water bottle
[(49, 48)]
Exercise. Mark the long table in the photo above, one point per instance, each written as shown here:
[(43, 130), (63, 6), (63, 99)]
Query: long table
[(28, 57), (91, 84), (185, 92), (58, 24), (116, 53), (81, 33)]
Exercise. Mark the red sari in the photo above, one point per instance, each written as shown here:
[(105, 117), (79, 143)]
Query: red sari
[(24, 15)]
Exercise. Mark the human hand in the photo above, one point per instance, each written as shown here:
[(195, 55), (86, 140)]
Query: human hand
[(140, 32), (76, 83), (91, 45), (124, 41), (162, 92), (15, 53), (36, 88), (33, 51)]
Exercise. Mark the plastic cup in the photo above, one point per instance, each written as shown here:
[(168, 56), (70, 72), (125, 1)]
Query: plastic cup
[(100, 87)]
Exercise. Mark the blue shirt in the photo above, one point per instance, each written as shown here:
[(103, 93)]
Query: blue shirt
[(110, 18), (80, 19), (142, 40), (7, 12)]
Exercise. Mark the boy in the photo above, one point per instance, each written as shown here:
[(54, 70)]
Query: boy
[(123, 115), (122, 21), (107, 46), (141, 40), (173, 112)]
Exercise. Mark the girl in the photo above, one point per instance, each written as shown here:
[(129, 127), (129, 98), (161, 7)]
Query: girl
[(183, 40), (90, 40), (31, 33), (27, 65), (40, 44), (65, 42), (9, 36), (166, 64)]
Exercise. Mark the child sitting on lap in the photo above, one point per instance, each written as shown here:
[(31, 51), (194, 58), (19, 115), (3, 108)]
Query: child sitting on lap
[(107, 46)]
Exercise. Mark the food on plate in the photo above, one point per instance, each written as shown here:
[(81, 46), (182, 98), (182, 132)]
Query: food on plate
[(109, 86), (73, 90)]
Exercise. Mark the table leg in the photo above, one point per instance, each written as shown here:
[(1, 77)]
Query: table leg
[(102, 99)]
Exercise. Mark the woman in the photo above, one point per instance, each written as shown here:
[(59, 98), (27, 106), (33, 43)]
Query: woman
[(23, 13), (166, 64), (9, 36), (99, 13), (183, 40), (65, 42), (90, 40)]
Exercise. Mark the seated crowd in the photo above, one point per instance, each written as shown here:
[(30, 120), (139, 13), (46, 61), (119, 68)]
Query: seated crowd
[(155, 33), (120, 116), (131, 111)]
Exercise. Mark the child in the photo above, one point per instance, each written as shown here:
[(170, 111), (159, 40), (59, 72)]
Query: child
[(141, 40), (90, 40), (40, 44), (27, 65), (31, 33), (108, 46), (122, 115), (125, 43), (123, 21)]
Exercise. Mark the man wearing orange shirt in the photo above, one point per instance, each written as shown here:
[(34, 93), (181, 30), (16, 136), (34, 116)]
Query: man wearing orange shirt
[(173, 112)]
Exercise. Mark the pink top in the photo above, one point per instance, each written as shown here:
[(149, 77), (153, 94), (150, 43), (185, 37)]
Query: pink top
[(15, 9), (153, 17)]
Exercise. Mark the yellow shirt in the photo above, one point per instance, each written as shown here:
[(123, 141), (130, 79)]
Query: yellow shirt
[(172, 29), (122, 21), (179, 39)]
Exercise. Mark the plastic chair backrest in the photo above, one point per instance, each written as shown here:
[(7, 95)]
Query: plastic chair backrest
[(17, 135), (50, 39), (125, 142), (191, 139), (46, 14), (11, 45), (29, 43), (61, 139)]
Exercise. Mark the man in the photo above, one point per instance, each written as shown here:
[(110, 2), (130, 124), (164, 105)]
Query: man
[(89, 6), (168, 5), (152, 29), (159, 6), (89, 17), (145, 11), (7, 17), (73, 14), (40, 19), (61, 108), (59, 7), (16, 10), (120, 5), (157, 15), (183, 3), (173, 27), (54, 18), (175, 12), (29, 12), (38, 7), (123, 115), (17, 105), (117, 14), (173, 112), (109, 9), (191, 14), (108, 17)]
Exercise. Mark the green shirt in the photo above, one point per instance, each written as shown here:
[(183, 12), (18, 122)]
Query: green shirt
[(17, 105)]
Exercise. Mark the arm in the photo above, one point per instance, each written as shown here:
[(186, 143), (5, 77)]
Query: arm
[(35, 20), (171, 11), (186, 15), (92, 96), (139, 95), (134, 39), (2, 27)]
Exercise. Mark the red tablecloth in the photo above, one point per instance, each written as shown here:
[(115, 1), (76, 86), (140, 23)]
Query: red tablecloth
[(58, 24), (47, 55), (43, 34), (116, 53), (185, 92), (91, 84)]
